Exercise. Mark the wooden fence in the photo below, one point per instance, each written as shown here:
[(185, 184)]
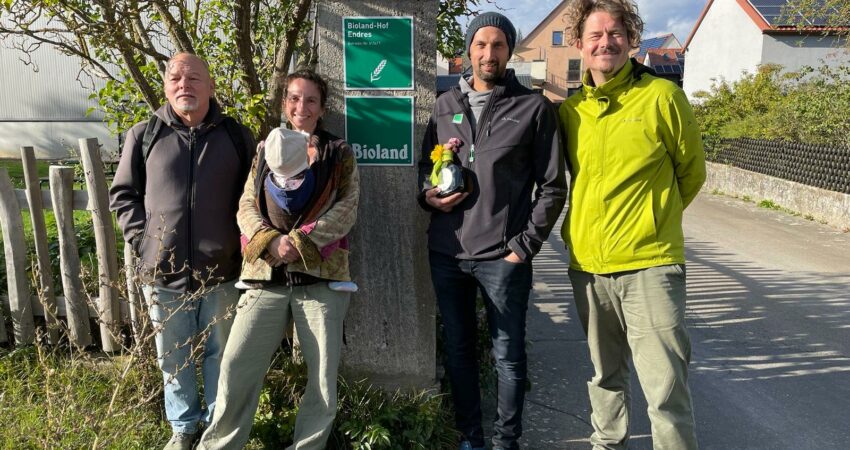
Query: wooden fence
[(108, 307)]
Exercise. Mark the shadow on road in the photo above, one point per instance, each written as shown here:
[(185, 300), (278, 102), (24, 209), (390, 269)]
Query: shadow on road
[(770, 356)]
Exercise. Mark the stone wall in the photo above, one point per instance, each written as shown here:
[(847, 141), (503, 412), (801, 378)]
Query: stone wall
[(823, 205)]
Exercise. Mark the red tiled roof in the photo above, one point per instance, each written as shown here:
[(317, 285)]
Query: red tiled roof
[(761, 23), (664, 55)]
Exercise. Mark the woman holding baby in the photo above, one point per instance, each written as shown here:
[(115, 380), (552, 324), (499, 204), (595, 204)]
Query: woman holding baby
[(299, 203)]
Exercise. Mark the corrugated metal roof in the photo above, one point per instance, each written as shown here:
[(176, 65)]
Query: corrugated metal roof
[(46, 90)]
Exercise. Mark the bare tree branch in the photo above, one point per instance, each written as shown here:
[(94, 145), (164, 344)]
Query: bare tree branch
[(178, 33), (122, 45), (62, 47), (281, 66)]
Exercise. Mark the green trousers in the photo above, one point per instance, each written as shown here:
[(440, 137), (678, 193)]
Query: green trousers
[(259, 327), (638, 313)]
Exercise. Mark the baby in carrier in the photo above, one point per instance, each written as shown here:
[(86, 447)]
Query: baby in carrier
[(290, 182)]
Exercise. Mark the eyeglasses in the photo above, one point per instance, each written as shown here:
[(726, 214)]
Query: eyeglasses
[(293, 99)]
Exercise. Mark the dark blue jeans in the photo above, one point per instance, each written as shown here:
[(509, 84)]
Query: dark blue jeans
[(505, 288)]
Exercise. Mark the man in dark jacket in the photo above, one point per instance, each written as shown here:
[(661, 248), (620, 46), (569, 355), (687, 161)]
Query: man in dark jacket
[(176, 193), (486, 237)]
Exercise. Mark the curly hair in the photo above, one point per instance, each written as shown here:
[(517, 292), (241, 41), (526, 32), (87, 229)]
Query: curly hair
[(626, 10)]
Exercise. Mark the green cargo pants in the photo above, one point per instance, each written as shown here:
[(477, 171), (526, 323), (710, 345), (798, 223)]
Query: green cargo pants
[(259, 326), (638, 313)]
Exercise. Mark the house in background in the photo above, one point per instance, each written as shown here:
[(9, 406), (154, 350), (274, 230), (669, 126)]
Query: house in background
[(736, 36), (553, 66), (667, 63), (556, 68), (47, 108), (665, 41)]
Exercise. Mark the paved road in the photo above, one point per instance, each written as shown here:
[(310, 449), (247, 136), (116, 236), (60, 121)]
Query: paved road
[(769, 317)]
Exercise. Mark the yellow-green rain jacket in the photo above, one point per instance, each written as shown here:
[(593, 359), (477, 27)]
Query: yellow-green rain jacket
[(636, 160)]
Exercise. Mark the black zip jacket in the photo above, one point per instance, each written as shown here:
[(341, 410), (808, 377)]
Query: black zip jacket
[(178, 210), (517, 146)]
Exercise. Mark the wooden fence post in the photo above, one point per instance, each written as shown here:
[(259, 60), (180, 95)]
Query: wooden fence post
[(20, 306), (61, 193), (104, 236), (39, 232)]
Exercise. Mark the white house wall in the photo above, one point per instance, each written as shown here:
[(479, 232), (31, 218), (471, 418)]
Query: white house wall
[(793, 52), (47, 108), (726, 44)]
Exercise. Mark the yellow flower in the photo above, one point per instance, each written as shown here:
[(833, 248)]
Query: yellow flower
[(437, 153)]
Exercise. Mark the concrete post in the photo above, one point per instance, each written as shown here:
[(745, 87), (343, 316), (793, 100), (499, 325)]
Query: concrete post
[(390, 328)]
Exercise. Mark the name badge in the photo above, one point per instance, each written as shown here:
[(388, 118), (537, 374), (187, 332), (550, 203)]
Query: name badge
[(458, 118)]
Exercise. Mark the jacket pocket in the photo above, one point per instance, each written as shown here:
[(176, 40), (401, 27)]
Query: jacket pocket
[(140, 239)]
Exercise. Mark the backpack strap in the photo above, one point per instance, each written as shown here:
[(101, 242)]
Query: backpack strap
[(152, 130), (234, 130)]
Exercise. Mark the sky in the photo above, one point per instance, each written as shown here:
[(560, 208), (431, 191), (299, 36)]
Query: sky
[(661, 16)]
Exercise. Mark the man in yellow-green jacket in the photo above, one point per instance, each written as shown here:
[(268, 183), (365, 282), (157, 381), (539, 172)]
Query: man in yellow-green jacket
[(636, 161)]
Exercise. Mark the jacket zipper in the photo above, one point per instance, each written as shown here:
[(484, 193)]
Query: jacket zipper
[(191, 204), (484, 122), (477, 134)]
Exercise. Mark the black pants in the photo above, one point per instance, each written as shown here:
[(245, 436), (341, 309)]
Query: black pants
[(505, 287)]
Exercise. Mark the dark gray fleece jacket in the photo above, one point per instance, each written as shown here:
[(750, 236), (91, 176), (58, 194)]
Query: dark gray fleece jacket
[(178, 209), (516, 146)]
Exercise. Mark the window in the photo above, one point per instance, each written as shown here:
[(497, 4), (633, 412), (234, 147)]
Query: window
[(574, 70), (557, 38)]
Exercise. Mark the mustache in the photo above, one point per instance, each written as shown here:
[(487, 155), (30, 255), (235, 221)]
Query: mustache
[(613, 50)]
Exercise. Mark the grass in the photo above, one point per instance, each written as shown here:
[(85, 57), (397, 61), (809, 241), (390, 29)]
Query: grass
[(52, 398), (769, 204), (16, 170)]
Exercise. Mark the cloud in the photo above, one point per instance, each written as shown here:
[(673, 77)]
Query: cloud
[(661, 16), (669, 16), (525, 14)]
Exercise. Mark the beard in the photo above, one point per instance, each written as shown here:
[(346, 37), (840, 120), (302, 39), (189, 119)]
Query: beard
[(490, 76), (187, 106)]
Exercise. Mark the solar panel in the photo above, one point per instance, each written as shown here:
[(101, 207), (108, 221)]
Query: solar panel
[(647, 44), (773, 13)]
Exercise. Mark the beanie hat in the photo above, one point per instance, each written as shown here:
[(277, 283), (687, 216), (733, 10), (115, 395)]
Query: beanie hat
[(286, 152), (492, 19)]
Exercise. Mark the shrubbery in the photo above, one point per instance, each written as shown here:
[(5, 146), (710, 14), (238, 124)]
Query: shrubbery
[(812, 106)]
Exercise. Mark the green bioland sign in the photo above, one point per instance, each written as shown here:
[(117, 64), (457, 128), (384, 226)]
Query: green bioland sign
[(378, 52), (380, 130)]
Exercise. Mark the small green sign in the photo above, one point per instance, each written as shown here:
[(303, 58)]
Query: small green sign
[(380, 130), (378, 52)]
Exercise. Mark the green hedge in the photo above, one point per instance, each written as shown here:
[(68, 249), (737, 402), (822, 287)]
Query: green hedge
[(811, 106)]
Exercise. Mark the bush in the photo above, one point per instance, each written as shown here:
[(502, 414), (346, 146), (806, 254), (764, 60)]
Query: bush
[(367, 417), (812, 106)]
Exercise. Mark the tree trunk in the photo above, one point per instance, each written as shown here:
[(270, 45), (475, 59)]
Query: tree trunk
[(281, 67)]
